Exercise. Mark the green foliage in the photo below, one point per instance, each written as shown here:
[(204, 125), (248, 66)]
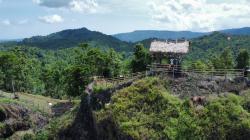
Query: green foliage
[(140, 109), (77, 78), (140, 59), (208, 47), (246, 103), (224, 61), (146, 110), (2, 126), (199, 65), (19, 72), (72, 38), (28, 137), (242, 59), (56, 73), (56, 125)]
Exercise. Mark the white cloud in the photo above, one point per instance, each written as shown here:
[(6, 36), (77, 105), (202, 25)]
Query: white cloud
[(21, 22), (51, 19), (83, 6), (37, 1), (6, 22), (197, 14)]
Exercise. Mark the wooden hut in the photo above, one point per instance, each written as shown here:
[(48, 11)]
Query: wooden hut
[(173, 51)]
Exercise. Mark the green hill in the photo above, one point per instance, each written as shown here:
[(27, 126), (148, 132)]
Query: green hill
[(208, 46), (146, 34), (71, 38)]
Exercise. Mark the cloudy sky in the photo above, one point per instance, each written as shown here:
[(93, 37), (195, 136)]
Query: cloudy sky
[(25, 18)]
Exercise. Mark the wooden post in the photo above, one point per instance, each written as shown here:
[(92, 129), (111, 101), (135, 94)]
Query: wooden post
[(225, 75), (173, 72), (13, 90)]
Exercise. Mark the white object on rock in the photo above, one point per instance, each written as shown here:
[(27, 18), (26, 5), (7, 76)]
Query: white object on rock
[(50, 104)]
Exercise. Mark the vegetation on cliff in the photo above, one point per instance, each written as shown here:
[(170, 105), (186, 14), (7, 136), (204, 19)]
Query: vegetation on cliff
[(146, 110)]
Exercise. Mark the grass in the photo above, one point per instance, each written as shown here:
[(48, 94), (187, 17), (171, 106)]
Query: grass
[(34, 102), (18, 135), (102, 85), (58, 124), (38, 103)]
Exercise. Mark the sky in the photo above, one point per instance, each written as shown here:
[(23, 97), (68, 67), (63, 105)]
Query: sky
[(26, 18)]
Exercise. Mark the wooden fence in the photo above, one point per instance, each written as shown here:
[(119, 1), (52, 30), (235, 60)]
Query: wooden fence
[(121, 79), (173, 70), (176, 69)]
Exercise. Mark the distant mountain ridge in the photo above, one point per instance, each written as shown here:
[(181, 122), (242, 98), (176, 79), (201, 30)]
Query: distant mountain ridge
[(73, 37), (146, 34), (9, 40)]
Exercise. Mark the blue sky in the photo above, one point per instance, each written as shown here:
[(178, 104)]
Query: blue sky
[(25, 18)]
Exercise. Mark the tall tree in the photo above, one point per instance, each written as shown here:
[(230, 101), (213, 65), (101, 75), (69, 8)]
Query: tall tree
[(140, 59), (227, 59), (242, 59), (224, 61), (199, 65), (77, 78), (8, 66)]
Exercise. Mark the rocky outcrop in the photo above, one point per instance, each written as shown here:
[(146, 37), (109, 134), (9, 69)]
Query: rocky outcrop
[(83, 127), (61, 108), (15, 117), (194, 85)]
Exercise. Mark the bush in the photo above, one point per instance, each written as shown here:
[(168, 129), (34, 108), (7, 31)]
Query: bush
[(146, 110)]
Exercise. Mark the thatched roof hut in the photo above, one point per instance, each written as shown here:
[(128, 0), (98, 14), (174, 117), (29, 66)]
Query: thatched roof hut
[(165, 47)]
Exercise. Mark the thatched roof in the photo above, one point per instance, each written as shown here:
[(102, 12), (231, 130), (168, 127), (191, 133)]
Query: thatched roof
[(169, 47)]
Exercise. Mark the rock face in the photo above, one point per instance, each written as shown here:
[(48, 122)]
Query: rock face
[(87, 127), (60, 108), (13, 118), (17, 118), (83, 127), (195, 85)]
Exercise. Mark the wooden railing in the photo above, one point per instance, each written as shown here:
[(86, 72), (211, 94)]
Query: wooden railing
[(170, 69), (176, 69)]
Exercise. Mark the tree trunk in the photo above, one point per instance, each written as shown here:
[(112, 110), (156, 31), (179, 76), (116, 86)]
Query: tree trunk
[(13, 90)]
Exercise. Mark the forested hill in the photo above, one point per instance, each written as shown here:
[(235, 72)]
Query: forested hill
[(208, 46), (203, 47), (146, 34), (73, 37)]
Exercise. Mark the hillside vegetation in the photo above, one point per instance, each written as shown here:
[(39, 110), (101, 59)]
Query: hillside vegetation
[(147, 110), (150, 108), (147, 34), (207, 47), (72, 38), (57, 74)]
